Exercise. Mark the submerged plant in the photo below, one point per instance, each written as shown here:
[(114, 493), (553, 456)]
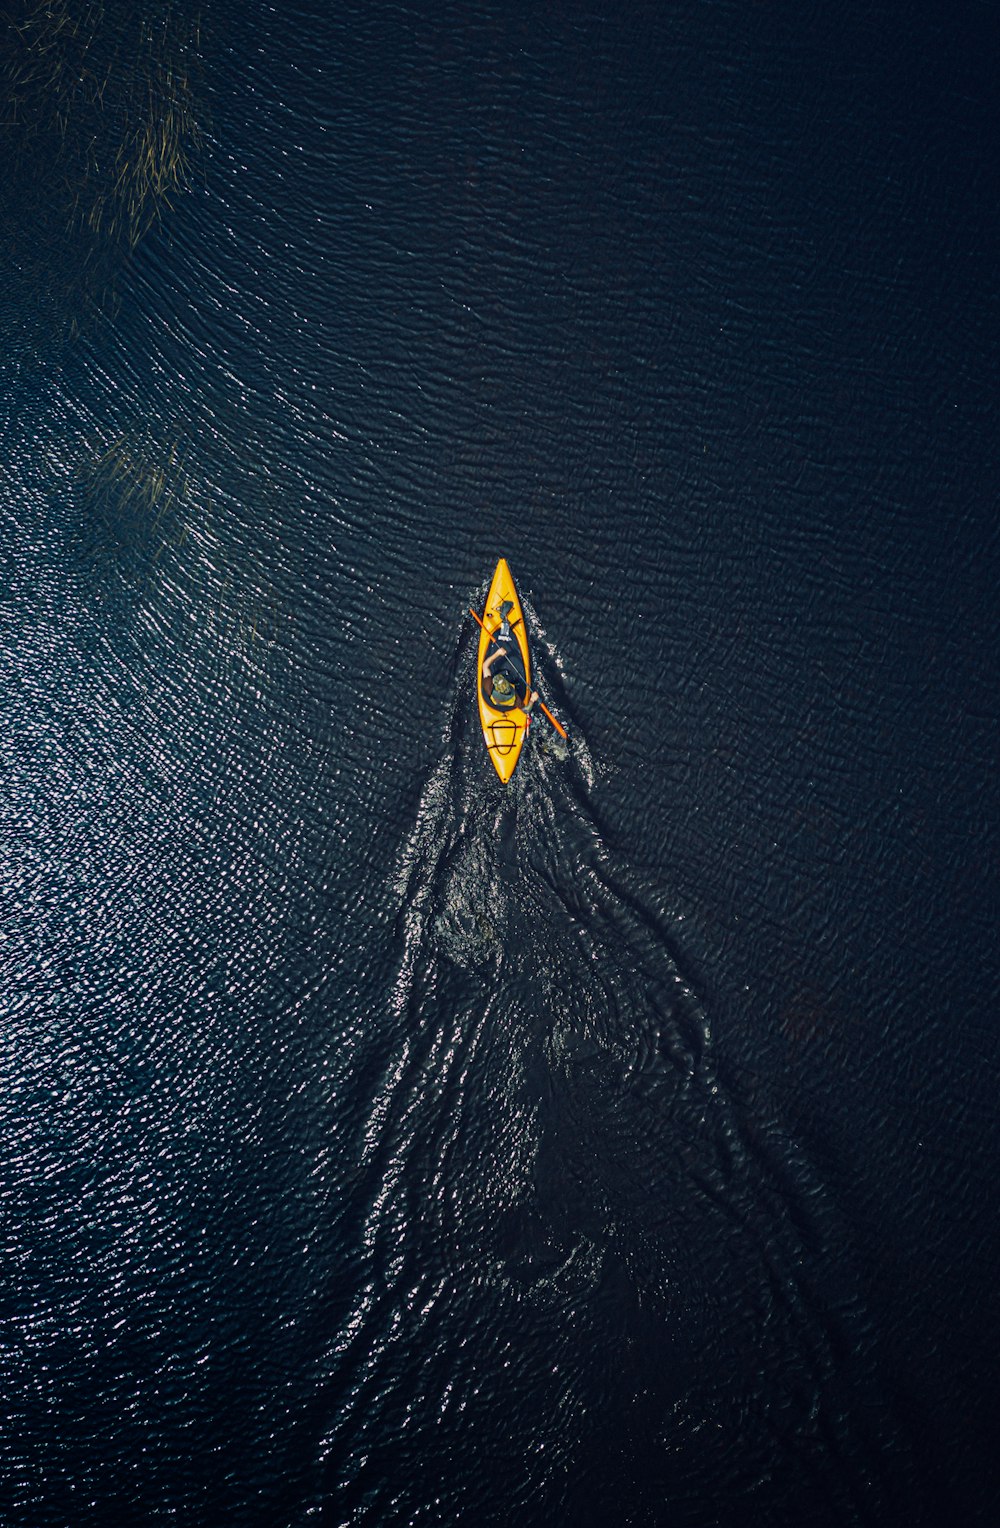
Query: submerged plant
[(152, 162), (101, 126), (149, 527), (137, 501)]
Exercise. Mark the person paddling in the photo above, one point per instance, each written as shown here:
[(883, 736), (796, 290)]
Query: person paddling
[(504, 751), (499, 690)]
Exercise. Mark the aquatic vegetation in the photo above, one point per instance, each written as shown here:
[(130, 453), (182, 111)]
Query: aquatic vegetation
[(137, 501), (116, 86), (149, 528), (152, 162), (101, 128)]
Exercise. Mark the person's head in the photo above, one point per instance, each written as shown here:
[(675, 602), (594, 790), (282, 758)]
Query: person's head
[(503, 686)]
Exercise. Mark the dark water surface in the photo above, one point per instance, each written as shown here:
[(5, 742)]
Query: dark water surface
[(381, 1146)]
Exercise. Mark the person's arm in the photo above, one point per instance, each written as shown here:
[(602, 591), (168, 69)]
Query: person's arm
[(489, 662)]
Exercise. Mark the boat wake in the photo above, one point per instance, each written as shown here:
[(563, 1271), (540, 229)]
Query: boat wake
[(554, 1158)]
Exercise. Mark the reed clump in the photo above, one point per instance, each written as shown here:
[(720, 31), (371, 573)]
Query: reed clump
[(100, 123), (152, 162), (138, 500), (150, 526)]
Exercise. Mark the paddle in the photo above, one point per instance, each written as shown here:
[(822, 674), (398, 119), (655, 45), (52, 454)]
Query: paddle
[(520, 674)]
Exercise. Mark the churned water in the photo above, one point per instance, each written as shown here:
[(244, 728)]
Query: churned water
[(382, 1146)]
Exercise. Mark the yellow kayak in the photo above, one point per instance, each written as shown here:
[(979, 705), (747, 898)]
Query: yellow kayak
[(502, 715)]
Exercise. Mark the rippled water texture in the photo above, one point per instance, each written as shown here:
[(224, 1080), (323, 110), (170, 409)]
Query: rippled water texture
[(382, 1146)]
